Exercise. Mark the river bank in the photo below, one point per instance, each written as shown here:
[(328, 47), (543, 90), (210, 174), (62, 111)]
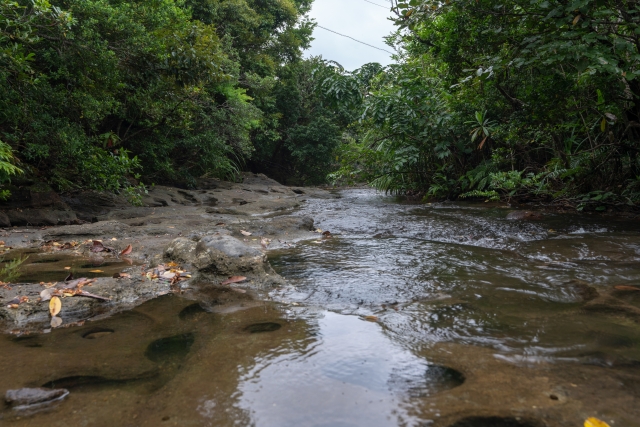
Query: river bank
[(207, 235)]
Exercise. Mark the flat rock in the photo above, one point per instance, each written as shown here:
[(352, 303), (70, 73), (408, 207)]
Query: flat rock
[(41, 217)]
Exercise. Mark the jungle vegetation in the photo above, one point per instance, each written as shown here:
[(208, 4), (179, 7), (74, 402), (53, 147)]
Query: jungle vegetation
[(516, 99), (501, 99)]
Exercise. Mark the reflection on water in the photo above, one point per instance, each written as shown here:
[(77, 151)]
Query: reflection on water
[(349, 373), (443, 315)]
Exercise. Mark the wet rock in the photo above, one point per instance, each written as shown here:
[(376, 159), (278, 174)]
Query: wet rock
[(4, 220), (88, 205), (170, 348), (41, 217), (257, 328), (34, 315), (103, 228), (524, 215), (281, 225), (221, 256), (34, 398), (583, 290), (613, 306), (224, 211)]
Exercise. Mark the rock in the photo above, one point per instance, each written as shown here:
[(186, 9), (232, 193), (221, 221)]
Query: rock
[(41, 217), (36, 196), (4, 220), (224, 211), (524, 215), (221, 256), (34, 398), (280, 225), (97, 229), (89, 204)]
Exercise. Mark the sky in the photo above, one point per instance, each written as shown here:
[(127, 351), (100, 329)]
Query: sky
[(355, 18)]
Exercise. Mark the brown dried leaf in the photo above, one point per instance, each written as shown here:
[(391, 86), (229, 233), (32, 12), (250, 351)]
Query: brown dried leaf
[(126, 251), (371, 318), (627, 288), (234, 279), (55, 305), (97, 246), (121, 276), (245, 233), (96, 271)]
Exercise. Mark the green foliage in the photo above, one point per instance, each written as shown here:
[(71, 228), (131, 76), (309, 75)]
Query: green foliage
[(96, 92), (560, 83), (10, 272)]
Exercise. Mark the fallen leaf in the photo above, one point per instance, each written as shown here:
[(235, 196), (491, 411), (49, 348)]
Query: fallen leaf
[(326, 233), (371, 318), (264, 242), (594, 422), (90, 295), (113, 239), (171, 264), (55, 306), (97, 246), (168, 275), (245, 233), (318, 230), (627, 288), (234, 279), (46, 294), (126, 251), (220, 223), (56, 322), (242, 291), (121, 275), (67, 268), (96, 271), (576, 19), (13, 306), (2, 243)]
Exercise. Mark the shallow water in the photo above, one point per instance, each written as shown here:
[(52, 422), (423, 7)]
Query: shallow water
[(55, 266), (444, 314)]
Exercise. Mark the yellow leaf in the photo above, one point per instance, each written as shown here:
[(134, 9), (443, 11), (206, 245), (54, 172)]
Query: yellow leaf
[(55, 306), (603, 124), (96, 271), (576, 19), (594, 422)]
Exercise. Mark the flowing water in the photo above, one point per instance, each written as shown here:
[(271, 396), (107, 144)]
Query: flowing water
[(409, 315)]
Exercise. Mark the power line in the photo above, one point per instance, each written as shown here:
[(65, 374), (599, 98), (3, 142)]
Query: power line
[(379, 5), (349, 37)]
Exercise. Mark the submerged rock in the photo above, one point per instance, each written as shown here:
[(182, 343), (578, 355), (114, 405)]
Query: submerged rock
[(524, 215), (34, 398)]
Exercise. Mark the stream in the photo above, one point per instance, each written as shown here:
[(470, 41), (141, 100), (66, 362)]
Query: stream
[(442, 314)]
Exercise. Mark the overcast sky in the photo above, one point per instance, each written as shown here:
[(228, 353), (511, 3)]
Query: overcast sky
[(355, 18)]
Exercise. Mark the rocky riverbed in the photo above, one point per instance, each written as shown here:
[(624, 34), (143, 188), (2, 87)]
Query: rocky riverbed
[(207, 235)]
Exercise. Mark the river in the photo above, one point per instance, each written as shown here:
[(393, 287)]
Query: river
[(442, 314)]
